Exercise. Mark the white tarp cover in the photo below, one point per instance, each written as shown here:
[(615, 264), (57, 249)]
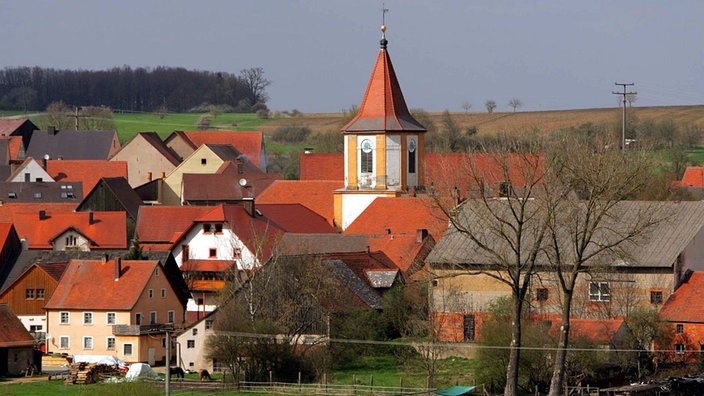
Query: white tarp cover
[(141, 371), (99, 359)]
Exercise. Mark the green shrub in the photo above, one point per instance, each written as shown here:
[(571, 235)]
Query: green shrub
[(291, 134)]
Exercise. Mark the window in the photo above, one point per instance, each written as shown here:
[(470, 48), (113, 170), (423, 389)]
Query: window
[(163, 293), (186, 252), (87, 342), (127, 349), (152, 317), (505, 189), (203, 161), (12, 195), (599, 291), (35, 328), (40, 294), (29, 294), (541, 294), (366, 161), (64, 318), (71, 240), (87, 318), (64, 342), (236, 253), (110, 343), (208, 324), (680, 328), (191, 344), (412, 156), (195, 331), (212, 253), (468, 325), (151, 293), (656, 297), (138, 318), (679, 348), (218, 228), (434, 283), (207, 228), (172, 317), (110, 318)]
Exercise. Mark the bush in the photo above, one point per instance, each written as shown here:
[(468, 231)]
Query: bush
[(263, 114), (291, 134)]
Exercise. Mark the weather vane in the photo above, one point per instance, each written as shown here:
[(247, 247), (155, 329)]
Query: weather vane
[(384, 10)]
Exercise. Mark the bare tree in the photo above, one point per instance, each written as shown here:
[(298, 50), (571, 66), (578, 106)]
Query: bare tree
[(505, 235), (255, 82), (590, 224), (466, 106), (490, 105), (515, 103)]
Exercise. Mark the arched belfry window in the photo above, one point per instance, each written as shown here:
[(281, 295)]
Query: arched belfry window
[(366, 161), (412, 156)]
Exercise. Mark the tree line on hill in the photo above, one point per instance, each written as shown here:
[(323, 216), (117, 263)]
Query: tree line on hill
[(173, 89)]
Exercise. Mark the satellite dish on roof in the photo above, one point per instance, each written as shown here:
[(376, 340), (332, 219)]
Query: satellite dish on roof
[(243, 182)]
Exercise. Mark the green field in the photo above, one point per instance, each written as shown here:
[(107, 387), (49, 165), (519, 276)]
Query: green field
[(128, 124)]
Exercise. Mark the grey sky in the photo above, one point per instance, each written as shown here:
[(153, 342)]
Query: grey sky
[(319, 53)]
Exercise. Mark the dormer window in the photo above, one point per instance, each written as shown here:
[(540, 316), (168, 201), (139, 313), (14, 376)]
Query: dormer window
[(12, 195), (207, 228), (218, 228)]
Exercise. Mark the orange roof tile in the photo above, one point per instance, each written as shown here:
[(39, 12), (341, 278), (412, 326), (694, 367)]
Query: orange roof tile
[(383, 107), (315, 195), (8, 211), (296, 218), (9, 125), (403, 250), (248, 143), (97, 279), (15, 146), (87, 171), (108, 230), (159, 223), (684, 305), (400, 216), (322, 166), (693, 177)]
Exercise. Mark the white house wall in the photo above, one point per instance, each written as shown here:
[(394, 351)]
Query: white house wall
[(354, 204), (200, 243)]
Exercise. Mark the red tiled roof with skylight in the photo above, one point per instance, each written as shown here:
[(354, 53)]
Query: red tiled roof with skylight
[(87, 171), (107, 230)]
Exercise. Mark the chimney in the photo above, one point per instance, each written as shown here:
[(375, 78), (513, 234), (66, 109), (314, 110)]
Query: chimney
[(104, 259), (51, 130), (249, 206), (42, 215), (240, 169), (163, 175), (118, 268), (149, 176), (421, 234), (387, 231), (44, 160), (90, 217), (24, 243)]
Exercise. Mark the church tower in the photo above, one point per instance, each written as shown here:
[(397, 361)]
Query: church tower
[(383, 145)]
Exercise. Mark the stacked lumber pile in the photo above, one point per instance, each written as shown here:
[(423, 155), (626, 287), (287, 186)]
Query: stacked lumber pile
[(89, 373)]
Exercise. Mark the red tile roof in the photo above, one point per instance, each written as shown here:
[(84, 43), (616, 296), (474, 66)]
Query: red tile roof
[(15, 146), (107, 231), (400, 216), (54, 270), (601, 331), (97, 279), (9, 125), (323, 166), (8, 211), (383, 107), (685, 304), (693, 177), (296, 218), (12, 332), (87, 171), (315, 195), (165, 224), (248, 143), (403, 250)]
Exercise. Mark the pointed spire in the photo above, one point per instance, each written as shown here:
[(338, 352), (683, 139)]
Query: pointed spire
[(383, 107)]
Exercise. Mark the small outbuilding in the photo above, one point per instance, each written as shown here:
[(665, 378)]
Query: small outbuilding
[(16, 344)]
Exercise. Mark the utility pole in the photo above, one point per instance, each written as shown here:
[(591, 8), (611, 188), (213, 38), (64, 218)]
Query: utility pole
[(623, 122), (77, 116)]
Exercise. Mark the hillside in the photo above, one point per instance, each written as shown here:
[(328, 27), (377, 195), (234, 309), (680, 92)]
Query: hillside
[(519, 121)]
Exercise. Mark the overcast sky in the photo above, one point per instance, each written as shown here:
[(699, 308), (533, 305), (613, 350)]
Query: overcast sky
[(318, 54)]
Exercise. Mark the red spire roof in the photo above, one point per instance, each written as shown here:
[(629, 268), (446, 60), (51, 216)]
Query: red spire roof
[(383, 107)]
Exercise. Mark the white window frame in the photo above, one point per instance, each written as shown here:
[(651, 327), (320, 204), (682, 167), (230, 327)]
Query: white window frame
[(89, 316), (114, 318), (107, 343), (190, 344), (88, 342), (596, 291), (61, 342), (151, 293), (61, 317)]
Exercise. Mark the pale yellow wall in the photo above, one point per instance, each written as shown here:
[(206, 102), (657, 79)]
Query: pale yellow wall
[(380, 162), (192, 164), (142, 158), (76, 330)]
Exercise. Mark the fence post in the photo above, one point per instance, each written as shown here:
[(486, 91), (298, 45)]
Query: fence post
[(401, 386), (299, 380)]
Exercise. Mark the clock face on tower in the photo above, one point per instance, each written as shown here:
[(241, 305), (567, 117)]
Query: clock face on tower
[(366, 146)]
